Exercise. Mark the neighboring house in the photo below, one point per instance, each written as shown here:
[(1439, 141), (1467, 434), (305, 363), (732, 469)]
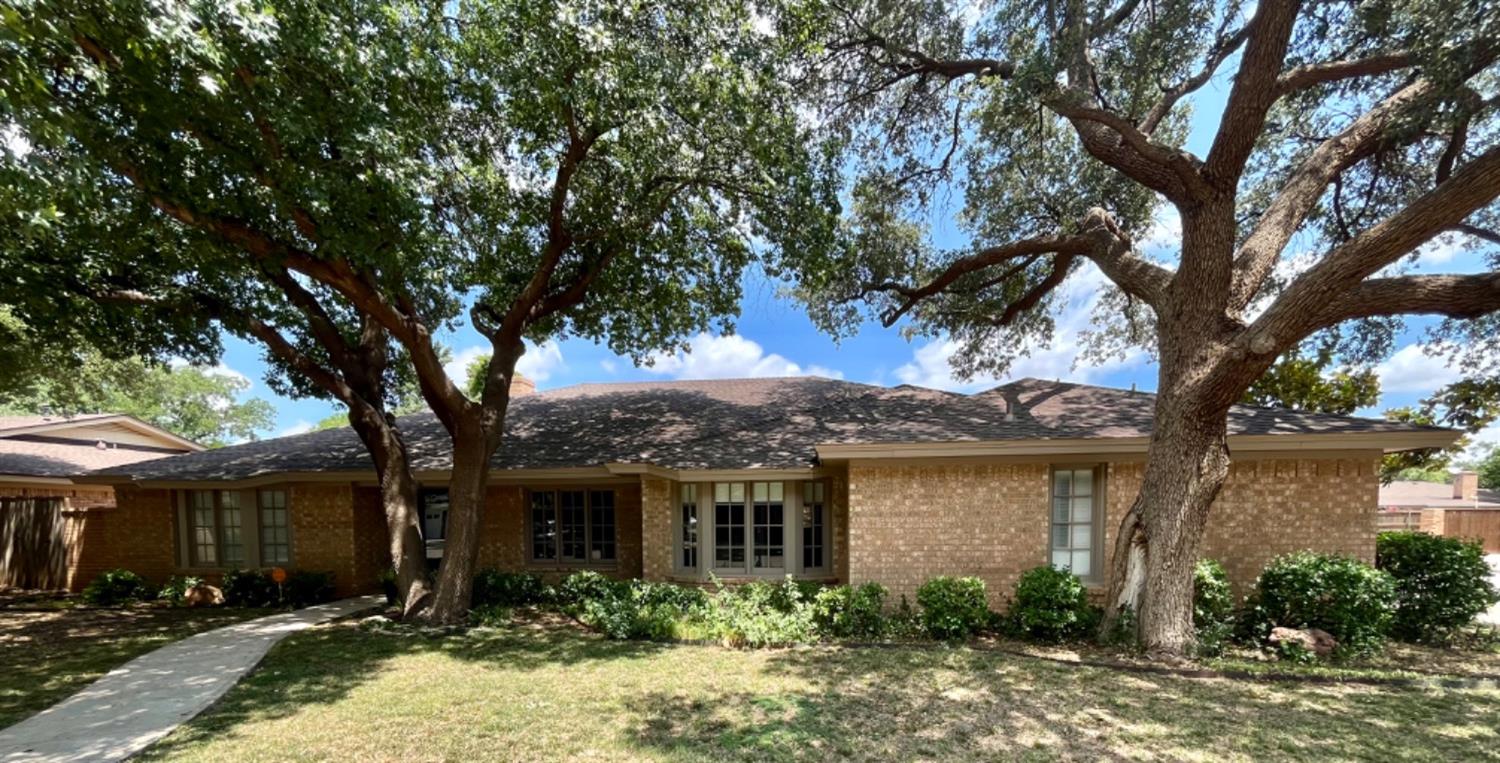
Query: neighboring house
[(1460, 509), (42, 506), (763, 478)]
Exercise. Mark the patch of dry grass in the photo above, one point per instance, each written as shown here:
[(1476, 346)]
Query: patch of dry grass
[(52, 647), (526, 693)]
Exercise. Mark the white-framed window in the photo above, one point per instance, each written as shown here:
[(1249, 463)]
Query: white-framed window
[(203, 528), (814, 525), (687, 528), (275, 538), (573, 527), (1076, 521), (765, 528)]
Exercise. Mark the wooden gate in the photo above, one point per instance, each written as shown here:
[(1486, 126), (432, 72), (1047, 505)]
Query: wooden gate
[(1476, 524), (33, 543)]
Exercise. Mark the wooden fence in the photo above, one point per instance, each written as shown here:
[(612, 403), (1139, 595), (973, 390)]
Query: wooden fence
[(1478, 524), (33, 543), (1401, 519)]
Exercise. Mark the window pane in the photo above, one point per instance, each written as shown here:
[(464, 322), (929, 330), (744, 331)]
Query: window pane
[(572, 525), (231, 540), (1059, 536), (201, 517), (770, 527), (1083, 482), (602, 525), (812, 525), (1059, 509), (544, 525), (729, 526), (1083, 509), (1060, 559), (1083, 536), (274, 548), (1062, 483), (1081, 563)]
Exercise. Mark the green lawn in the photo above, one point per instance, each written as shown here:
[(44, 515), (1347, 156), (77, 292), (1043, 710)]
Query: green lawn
[(527, 693), (50, 648)]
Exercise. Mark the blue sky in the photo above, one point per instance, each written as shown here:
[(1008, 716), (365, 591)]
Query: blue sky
[(774, 338)]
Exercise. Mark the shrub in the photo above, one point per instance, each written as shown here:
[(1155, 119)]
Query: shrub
[(305, 587), (1213, 607), (580, 587), (1051, 605), (1351, 600), (761, 614), (953, 608), (176, 588), (390, 586), (638, 609), (249, 588), (115, 587), (514, 589), (490, 615), (848, 612), (1441, 583)]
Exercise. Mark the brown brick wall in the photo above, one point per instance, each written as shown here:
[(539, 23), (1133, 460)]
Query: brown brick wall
[(137, 534), (1275, 506), (914, 522), (658, 504), (504, 542), (372, 549), (323, 535)]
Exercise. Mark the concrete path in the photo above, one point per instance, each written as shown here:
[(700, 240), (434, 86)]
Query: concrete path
[(1493, 616), (145, 699)]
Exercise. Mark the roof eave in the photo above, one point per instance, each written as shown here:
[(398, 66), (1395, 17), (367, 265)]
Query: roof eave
[(1385, 442)]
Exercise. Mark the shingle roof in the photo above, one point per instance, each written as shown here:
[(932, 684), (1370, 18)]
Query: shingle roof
[(1411, 494), (69, 446), (739, 424)]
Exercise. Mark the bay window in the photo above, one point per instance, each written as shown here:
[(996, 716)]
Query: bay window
[(751, 528)]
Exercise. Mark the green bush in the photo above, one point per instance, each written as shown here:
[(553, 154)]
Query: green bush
[(115, 587), (1213, 607), (249, 588), (1441, 583), (305, 588), (637, 609), (580, 587), (1051, 605), (849, 612), (1352, 601), (176, 588), (761, 614), (513, 589), (953, 608), (490, 615)]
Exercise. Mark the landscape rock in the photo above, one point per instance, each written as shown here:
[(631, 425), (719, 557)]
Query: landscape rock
[(1317, 641), (203, 595)]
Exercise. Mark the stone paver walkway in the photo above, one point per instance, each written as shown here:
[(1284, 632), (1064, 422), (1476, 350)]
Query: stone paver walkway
[(145, 699)]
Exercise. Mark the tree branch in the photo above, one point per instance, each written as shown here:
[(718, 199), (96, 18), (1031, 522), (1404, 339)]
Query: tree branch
[(1303, 77), (1280, 221), (1255, 90), (1451, 296)]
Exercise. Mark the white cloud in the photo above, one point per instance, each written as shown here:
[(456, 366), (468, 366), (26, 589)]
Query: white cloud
[(1166, 229), (609, 366), (538, 364), (931, 363), (303, 426), (14, 142), (729, 357), (1413, 370)]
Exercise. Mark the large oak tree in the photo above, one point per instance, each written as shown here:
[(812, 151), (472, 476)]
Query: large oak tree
[(1352, 134), (336, 178)]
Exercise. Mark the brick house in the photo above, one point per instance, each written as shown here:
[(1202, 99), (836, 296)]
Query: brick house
[(762, 478), (44, 510)]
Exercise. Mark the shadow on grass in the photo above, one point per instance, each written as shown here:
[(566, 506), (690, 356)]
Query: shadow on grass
[(323, 665), (905, 704), (867, 703)]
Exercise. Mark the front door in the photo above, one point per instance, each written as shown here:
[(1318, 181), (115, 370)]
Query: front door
[(434, 503)]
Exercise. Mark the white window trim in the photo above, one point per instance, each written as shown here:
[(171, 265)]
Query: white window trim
[(791, 532), (1100, 492)]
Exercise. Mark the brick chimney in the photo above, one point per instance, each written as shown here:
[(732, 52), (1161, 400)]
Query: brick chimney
[(520, 386), (1466, 486)]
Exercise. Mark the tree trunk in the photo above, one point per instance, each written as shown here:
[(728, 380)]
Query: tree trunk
[(1159, 537), (398, 497), (466, 493)]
